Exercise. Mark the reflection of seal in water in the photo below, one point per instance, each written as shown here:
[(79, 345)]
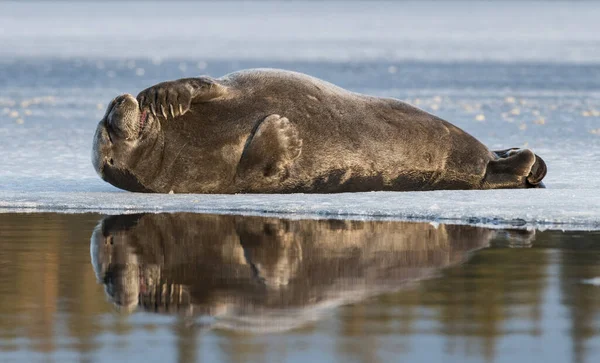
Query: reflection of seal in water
[(268, 131), (266, 273)]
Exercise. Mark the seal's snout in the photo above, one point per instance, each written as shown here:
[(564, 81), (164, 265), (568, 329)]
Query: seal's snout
[(131, 100), (122, 101), (124, 117), (125, 98), (125, 102)]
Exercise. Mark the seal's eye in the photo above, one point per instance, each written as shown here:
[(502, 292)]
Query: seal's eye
[(111, 162)]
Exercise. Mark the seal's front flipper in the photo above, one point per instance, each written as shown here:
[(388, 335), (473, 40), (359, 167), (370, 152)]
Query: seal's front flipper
[(515, 168), (272, 147), (174, 98)]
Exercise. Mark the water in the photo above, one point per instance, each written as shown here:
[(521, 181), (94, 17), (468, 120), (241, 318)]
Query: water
[(200, 287), (464, 276)]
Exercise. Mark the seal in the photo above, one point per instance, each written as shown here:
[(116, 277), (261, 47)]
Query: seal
[(275, 131), (246, 271)]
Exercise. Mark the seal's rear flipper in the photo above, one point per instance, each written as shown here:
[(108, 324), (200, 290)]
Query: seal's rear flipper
[(538, 172), (271, 148), (506, 152), (515, 168)]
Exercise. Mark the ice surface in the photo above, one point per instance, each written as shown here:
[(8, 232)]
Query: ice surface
[(488, 68), (563, 209)]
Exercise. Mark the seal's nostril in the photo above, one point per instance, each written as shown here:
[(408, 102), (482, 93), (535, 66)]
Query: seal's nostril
[(111, 161)]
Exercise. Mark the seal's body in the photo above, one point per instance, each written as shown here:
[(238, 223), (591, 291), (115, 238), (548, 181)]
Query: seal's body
[(271, 131)]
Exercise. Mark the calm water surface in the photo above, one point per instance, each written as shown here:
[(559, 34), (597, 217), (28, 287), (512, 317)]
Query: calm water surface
[(199, 287)]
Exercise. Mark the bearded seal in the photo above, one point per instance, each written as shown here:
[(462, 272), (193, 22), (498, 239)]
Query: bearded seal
[(275, 131)]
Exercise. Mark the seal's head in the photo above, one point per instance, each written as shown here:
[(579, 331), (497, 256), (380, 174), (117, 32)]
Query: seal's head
[(121, 142), (115, 262)]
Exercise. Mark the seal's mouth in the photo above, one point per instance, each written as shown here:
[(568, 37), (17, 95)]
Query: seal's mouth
[(142, 122)]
